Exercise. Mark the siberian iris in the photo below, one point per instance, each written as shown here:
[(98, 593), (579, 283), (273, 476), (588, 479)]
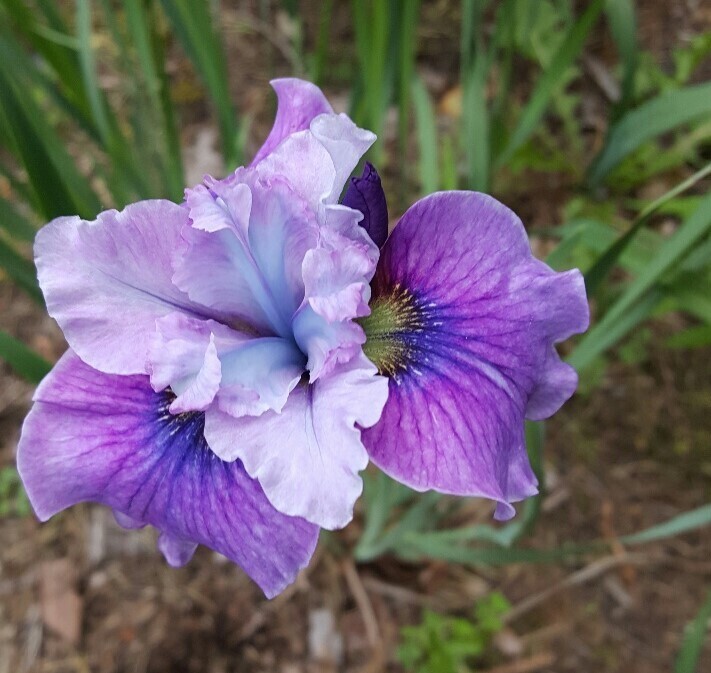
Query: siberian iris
[(236, 360)]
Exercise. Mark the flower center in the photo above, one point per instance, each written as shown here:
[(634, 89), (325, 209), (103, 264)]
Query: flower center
[(392, 329)]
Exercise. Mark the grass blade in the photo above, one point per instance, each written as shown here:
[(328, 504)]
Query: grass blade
[(193, 25), (606, 262), (695, 633), (623, 25), (16, 226), (25, 362), (598, 339), (426, 125), (646, 122), (548, 83), (21, 270)]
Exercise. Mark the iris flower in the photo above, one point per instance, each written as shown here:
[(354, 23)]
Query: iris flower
[(236, 360)]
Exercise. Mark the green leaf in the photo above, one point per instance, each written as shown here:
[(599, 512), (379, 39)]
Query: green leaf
[(661, 114), (695, 634), (193, 25), (59, 187), (16, 226), (683, 523), (550, 81), (598, 339), (426, 137), (21, 270), (623, 25), (24, 361), (606, 262)]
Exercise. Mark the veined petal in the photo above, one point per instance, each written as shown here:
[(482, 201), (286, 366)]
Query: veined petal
[(110, 439), (252, 234), (307, 457), (298, 103), (107, 281), (464, 321)]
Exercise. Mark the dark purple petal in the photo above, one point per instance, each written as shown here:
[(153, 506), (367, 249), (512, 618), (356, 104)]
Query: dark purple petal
[(366, 195), (111, 439), (471, 319), (298, 103)]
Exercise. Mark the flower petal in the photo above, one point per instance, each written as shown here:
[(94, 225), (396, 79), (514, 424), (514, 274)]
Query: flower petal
[(366, 195), (307, 458), (252, 234), (337, 276), (471, 319), (317, 162), (298, 103), (107, 281), (110, 439)]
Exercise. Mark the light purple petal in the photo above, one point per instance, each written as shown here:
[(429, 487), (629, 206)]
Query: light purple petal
[(107, 281), (307, 457), (298, 103), (111, 439), (470, 353), (252, 234), (337, 276), (366, 195), (317, 162), (259, 375), (203, 360)]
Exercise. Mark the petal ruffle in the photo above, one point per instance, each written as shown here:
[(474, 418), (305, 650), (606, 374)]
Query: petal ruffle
[(110, 439), (469, 347), (298, 102), (107, 281), (317, 162), (252, 234), (307, 457)]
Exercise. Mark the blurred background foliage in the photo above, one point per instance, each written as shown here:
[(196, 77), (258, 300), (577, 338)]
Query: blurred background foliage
[(90, 118)]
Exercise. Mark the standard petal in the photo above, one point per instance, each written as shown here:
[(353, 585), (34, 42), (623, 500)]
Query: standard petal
[(464, 321), (298, 102), (107, 281), (317, 162), (307, 458), (366, 195), (111, 439)]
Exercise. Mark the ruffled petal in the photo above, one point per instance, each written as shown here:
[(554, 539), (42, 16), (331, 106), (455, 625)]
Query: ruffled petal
[(307, 458), (111, 439), (337, 275), (464, 322), (252, 234), (317, 162), (298, 102), (365, 194), (203, 360), (107, 281)]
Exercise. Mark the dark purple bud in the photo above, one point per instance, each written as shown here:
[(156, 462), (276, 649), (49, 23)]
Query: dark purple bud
[(366, 194)]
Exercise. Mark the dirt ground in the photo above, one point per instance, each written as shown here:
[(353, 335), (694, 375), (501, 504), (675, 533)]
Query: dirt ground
[(79, 594)]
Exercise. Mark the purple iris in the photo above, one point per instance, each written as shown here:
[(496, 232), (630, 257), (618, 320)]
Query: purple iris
[(230, 374)]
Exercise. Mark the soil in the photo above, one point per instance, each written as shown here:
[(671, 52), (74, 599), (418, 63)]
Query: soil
[(78, 594)]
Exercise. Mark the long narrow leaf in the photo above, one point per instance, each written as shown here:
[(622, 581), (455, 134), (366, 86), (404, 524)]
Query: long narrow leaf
[(426, 137), (194, 27), (672, 251), (606, 262), (549, 82), (25, 362), (623, 25), (21, 270), (661, 114), (694, 636)]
